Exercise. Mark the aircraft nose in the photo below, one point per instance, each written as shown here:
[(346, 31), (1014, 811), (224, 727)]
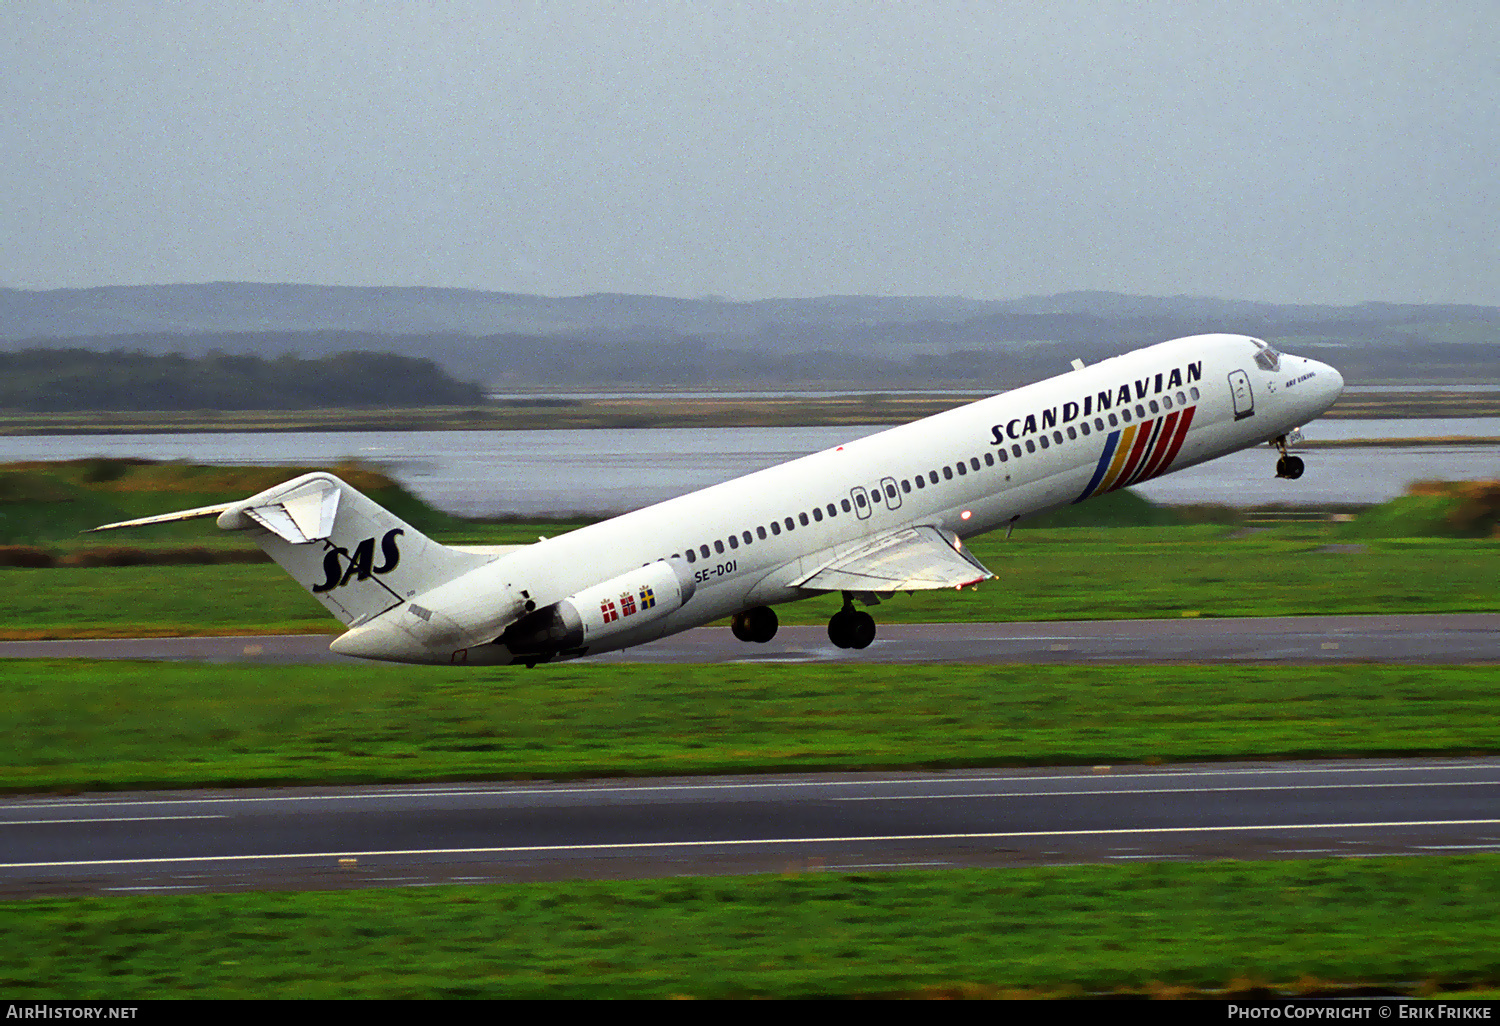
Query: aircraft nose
[(1330, 385), (1333, 383)]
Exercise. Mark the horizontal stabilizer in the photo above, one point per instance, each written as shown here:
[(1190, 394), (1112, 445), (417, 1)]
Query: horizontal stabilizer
[(166, 518), (303, 514), (916, 559)]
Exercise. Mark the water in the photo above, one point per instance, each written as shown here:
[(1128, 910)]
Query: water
[(531, 473)]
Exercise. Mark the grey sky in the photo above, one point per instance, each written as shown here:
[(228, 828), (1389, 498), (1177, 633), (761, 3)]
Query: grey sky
[(1293, 152)]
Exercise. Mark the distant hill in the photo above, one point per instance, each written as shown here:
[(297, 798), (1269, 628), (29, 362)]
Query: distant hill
[(512, 340), (250, 307)]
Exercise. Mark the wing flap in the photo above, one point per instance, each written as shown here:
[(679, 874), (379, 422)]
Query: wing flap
[(915, 559)]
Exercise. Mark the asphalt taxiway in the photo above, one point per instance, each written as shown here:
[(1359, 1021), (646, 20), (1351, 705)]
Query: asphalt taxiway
[(1390, 638), (408, 835)]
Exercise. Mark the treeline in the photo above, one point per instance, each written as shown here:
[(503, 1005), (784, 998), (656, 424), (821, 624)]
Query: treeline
[(55, 380)]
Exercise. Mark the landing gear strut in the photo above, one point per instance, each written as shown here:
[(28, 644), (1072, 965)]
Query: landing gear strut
[(851, 628), (758, 624), (1289, 467)]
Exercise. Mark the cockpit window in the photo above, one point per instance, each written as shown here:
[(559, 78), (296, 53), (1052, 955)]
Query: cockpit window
[(1266, 358)]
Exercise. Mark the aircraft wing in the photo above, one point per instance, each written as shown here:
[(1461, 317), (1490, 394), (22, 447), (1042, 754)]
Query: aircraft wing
[(915, 559)]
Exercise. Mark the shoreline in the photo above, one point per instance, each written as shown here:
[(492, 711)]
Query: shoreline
[(667, 411)]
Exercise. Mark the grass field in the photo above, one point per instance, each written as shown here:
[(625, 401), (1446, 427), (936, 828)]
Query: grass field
[(1418, 926), (82, 725), (1059, 574)]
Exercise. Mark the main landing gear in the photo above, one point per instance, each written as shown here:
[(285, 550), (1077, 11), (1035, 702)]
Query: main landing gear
[(1289, 467), (851, 628), (758, 624)]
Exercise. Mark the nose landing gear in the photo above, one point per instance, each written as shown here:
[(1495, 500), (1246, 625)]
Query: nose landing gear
[(851, 628), (1288, 466)]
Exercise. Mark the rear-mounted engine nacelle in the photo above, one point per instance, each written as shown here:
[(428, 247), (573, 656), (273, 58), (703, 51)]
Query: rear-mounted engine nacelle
[(619, 605)]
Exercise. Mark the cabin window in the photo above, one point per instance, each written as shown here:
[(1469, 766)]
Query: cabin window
[(962, 470), (775, 527), (890, 491), (818, 514), (1166, 402), (791, 525), (921, 482), (1099, 423), (1001, 453), (1043, 440), (692, 557), (1140, 411), (748, 538), (1072, 434), (719, 547), (845, 503), (974, 462), (875, 493), (761, 532), (1113, 422), (703, 551), (1181, 399), (989, 459), (1016, 449), (803, 518), (1057, 437), (1030, 445), (1194, 393), (734, 542), (932, 476), (1124, 415), (1084, 427), (906, 486), (859, 499)]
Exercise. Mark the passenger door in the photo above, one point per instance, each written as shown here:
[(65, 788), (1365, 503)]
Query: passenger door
[(1244, 400)]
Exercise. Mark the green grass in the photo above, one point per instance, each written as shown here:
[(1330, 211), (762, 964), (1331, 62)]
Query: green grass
[(1056, 574), (51, 502), (1415, 925), (76, 724), (1115, 557)]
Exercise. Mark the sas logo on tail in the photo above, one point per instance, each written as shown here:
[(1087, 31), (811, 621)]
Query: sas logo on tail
[(361, 564)]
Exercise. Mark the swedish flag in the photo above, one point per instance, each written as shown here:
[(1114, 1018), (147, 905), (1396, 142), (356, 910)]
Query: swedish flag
[(648, 597)]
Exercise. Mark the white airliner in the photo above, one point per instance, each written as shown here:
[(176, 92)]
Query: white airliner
[(884, 514)]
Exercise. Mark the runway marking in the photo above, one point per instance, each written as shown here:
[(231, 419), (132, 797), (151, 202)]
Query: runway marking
[(732, 843), (501, 791), (110, 819), (1170, 790)]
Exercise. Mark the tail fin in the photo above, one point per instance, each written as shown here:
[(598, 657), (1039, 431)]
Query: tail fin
[(356, 557)]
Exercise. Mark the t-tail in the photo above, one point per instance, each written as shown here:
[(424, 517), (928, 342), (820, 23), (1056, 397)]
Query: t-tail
[(354, 556)]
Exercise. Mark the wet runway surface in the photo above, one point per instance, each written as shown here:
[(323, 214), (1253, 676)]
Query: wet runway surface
[(429, 835), (1394, 638)]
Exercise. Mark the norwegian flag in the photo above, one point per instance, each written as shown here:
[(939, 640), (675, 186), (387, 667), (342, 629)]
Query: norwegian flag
[(627, 603)]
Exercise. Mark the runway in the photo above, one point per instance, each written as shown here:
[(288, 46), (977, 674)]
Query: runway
[(384, 836), (1390, 638)]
